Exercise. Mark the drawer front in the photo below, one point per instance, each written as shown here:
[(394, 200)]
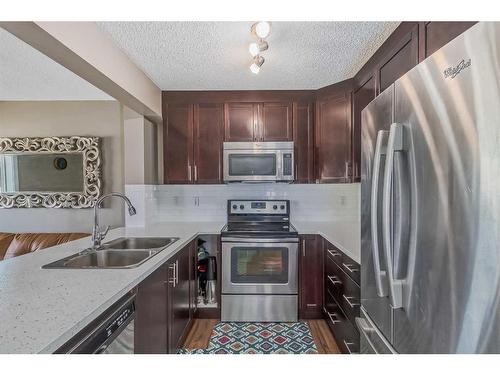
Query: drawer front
[(333, 253), (350, 299), (346, 336), (351, 268)]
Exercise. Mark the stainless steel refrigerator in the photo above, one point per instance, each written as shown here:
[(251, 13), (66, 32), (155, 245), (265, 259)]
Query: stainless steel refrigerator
[(430, 204)]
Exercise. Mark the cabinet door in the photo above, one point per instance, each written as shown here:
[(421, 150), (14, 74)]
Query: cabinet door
[(241, 121), (275, 122), (303, 135), (333, 138), (399, 60), (179, 298), (361, 97), (151, 319), (311, 277), (434, 35), (178, 144), (207, 143)]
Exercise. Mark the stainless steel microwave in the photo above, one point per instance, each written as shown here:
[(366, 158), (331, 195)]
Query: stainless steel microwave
[(258, 162)]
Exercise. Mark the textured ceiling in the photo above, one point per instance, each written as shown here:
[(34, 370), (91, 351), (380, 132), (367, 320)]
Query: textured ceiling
[(27, 74), (214, 55)]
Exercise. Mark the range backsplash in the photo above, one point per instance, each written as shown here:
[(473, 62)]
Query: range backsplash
[(309, 202)]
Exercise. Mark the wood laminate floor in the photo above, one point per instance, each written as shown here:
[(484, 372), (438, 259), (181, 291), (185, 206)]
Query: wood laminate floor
[(199, 335)]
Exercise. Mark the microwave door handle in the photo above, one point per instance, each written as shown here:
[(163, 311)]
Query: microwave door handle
[(380, 276), (394, 144)]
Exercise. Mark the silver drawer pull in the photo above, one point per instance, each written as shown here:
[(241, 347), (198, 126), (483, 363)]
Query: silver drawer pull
[(333, 253), (172, 280), (311, 305), (346, 344), (348, 300), (334, 280), (350, 267), (333, 318)]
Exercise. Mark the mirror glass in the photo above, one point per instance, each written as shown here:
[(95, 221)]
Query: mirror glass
[(41, 173)]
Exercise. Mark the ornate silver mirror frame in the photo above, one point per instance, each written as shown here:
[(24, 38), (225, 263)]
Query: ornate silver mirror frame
[(91, 190)]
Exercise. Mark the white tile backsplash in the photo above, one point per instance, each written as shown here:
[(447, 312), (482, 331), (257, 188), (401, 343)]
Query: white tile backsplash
[(315, 202)]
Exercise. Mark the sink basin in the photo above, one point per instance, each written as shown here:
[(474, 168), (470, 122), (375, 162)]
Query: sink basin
[(109, 259), (149, 243), (124, 252)]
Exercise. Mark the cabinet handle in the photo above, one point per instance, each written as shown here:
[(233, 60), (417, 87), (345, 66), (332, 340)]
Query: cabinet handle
[(334, 280), (346, 344), (311, 305), (189, 172), (348, 300), (333, 253), (171, 280), (351, 268), (333, 318), (195, 172), (303, 248)]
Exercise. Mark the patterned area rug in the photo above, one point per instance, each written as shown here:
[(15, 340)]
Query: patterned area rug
[(258, 338)]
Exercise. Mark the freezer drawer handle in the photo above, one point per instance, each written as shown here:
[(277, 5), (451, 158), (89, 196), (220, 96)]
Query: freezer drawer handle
[(334, 280), (394, 144), (365, 329), (380, 276)]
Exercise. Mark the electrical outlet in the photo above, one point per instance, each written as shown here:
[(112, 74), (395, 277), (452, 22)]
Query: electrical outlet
[(342, 200)]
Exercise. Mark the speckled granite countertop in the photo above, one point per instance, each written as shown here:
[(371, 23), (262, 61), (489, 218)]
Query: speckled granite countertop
[(41, 309), (345, 234)]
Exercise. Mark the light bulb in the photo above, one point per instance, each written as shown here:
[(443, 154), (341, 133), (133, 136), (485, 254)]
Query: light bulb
[(255, 68), (256, 48), (257, 63), (261, 29)]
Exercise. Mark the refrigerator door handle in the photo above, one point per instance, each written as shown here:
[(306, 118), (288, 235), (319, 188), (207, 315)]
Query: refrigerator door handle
[(380, 276), (394, 144)]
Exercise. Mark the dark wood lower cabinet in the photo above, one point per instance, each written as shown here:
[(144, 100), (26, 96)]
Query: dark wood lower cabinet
[(151, 325), (165, 305), (341, 298), (310, 276)]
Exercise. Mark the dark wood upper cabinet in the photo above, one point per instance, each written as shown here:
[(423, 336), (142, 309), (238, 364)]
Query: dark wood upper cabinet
[(400, 59), (275, 122), (258, 122), (178, 143), (303, 135), (151, 325), (333, 136), (434, 35), (207, 143), (360, 99), (241, 122), (310, 277)]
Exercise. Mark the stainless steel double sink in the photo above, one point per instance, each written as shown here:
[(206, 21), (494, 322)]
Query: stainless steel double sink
[(123, 252)]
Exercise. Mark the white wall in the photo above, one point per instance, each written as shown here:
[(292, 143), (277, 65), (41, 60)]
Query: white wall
[(309, 202), (65, 118)]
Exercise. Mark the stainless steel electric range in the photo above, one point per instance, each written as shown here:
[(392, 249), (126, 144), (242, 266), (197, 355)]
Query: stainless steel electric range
[(259, 262)]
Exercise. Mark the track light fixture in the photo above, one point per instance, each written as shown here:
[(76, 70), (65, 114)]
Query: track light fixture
[(259, 31)]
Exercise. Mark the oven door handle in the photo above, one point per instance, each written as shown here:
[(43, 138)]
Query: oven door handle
[(259, 240)]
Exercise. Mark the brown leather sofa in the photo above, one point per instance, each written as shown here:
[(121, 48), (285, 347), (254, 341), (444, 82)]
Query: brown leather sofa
[(15, 244)]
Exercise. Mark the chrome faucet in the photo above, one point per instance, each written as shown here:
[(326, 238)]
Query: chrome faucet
[(97, 235)]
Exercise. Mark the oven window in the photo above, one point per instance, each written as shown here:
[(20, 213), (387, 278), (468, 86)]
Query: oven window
[(252, 164), (259, 265)]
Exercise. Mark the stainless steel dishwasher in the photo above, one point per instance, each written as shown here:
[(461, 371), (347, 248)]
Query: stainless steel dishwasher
[(111, 333)]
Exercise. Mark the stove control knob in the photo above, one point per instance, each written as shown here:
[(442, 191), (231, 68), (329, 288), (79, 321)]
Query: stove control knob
[(235, 207), (282, 207), (275, 207), (241, 207)]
